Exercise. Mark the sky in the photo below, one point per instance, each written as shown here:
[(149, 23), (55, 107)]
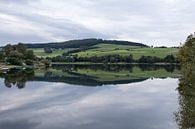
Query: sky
[(152, 22)]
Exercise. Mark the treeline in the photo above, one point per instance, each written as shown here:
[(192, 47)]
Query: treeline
[(17, 55), (186, 114), (114, 67), (115, 59), (84, 43), (77, 50)]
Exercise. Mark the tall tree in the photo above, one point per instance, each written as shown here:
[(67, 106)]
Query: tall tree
[(187, 53), (185, 117)]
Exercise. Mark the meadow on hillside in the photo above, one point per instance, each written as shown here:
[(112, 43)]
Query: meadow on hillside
[(111, 49)]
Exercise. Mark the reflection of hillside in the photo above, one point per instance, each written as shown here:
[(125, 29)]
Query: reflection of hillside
[(83, 80), (89, 75), (94, 75)]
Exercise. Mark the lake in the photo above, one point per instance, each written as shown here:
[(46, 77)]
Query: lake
[(91, 97)]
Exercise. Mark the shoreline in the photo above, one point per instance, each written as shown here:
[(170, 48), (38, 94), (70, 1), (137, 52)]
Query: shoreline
[(5, 67), (121, 63)]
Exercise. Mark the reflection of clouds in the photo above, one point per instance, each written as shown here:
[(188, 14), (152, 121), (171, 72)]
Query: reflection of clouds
[(17, 98), (150, 86), (17, 124), (58, 105)]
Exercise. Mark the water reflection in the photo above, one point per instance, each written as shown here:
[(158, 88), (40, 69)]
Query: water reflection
[(90, 75), (185, 116), (17, 78), (43, 105), (150, 103)]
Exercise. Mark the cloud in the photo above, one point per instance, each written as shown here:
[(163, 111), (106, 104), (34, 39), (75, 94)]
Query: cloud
[(17, 124), (154, 22)]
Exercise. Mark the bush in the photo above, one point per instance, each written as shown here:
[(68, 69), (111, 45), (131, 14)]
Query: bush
[(170, 59), (14, 61), (18, 54), (29, 62)]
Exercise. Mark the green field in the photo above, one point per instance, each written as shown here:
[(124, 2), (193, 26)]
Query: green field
[(111, 49), (40, 52), (137, 52)]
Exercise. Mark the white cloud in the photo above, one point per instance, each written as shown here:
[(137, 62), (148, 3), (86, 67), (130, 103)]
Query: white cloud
[(155, 22)]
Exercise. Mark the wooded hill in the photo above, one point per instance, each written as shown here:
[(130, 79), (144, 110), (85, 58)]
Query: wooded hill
[(84, 43)]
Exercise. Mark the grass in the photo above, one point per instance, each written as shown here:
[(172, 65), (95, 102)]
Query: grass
[(111, 49), (124, 50), (40, 52)]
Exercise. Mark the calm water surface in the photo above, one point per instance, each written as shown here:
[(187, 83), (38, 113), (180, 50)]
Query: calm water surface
[(147, 104)]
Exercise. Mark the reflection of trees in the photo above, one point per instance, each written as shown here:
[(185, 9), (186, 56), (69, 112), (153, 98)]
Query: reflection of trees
[(105, 67), (106, 74), (48, 74), (116, 68), (150, 67), (99, 74), (18, 78), (185, 117)]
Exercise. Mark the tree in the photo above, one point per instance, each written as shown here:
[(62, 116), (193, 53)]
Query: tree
[(149, 59), (8, 48), (20, 48), (30, 54), (185, 117), (2, 56), (187, 53), (13, 61), (18, 54), (169, 59), (14, 58)]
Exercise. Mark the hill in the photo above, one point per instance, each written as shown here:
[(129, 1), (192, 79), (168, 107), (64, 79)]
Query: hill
[(99, 47), (124, 50), (81, 43), (102, 49)]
